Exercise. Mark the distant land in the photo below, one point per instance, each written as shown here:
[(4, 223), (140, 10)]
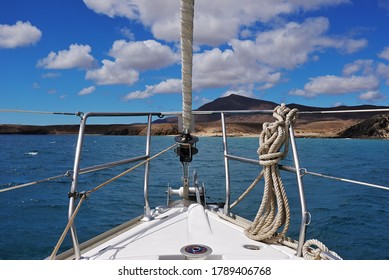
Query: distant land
[(328, 125)]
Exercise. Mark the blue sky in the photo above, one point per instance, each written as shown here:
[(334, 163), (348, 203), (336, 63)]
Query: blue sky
[(124, 55)]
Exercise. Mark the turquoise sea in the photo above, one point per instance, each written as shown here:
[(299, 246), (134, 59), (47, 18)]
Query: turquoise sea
[(350, 219)]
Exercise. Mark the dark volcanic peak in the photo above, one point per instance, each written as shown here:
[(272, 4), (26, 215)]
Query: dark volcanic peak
[(237, 102), (232, 102)]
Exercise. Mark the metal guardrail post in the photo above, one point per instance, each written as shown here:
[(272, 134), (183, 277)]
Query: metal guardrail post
[(147, 211), (305, 215), (73, 188), (226, 167)]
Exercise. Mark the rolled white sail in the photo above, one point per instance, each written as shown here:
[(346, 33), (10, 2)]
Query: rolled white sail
[(187, 14)]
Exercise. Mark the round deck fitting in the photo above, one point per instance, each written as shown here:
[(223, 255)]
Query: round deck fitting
[(196, 251)]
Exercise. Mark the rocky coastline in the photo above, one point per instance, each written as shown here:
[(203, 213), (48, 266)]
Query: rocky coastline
[(329, 125)]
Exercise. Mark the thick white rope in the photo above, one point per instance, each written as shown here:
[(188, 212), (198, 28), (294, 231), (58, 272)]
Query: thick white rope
[(187, 14), (273, 212)]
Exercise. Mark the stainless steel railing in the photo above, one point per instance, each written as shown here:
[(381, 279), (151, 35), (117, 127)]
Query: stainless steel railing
[(77, 171)]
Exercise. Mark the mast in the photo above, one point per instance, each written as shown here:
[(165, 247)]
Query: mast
[(186, 148)]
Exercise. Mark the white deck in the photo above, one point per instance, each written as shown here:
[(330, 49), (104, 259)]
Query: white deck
[(173, 228)]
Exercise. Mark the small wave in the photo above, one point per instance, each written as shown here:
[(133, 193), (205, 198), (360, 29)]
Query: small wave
[(32, 153)]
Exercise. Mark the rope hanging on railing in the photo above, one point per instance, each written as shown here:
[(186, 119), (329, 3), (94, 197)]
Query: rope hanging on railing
[(273, 212), (187, 14)]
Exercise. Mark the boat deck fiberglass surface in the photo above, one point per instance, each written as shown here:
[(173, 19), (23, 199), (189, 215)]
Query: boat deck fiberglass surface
[(182, 231)]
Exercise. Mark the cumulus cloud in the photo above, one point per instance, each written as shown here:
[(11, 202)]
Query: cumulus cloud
[(217, 68), (316, 4), (87, 90), (20, 34), (259, 61), (243, 62), (216, 22), (372, 96), (384, 54), (77, 56), (335, 85), (129, 59), (165, 87), (143, 55), (112, 8), (363, 66), (290, 45), (127, 33), (112, 73), (383, 72), (239, 54)]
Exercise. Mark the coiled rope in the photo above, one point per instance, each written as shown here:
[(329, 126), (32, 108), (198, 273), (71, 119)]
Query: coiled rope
[(274, 211)]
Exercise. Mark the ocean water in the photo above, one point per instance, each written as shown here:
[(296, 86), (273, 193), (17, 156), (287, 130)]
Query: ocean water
[(349, 219)]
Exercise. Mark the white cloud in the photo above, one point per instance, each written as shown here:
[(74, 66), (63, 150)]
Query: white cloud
[(87, 90), (216, 22), (257, 62), (77, 56), (372, 96), (365, 66), (383, 71), (247, 62), (384, 54), (19, 35), (290, 46), (129, 59), (216, 68), (112, 8), (112, 73), (336, 85), (165, 87), (201, 100), (126, 32), (143, 55), (316, 4)]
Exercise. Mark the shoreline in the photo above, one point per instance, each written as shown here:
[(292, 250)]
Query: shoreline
[(168, 129)]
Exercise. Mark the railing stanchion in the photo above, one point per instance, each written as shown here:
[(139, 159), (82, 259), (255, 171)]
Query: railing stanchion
[(226, 167), (73, 188), (147, 211), (304, 212)]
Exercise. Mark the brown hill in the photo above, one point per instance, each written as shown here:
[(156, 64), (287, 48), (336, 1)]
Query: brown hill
[(374, 127)]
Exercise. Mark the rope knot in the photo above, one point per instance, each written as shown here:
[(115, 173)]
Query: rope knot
[(276, 134), (274, 211)]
